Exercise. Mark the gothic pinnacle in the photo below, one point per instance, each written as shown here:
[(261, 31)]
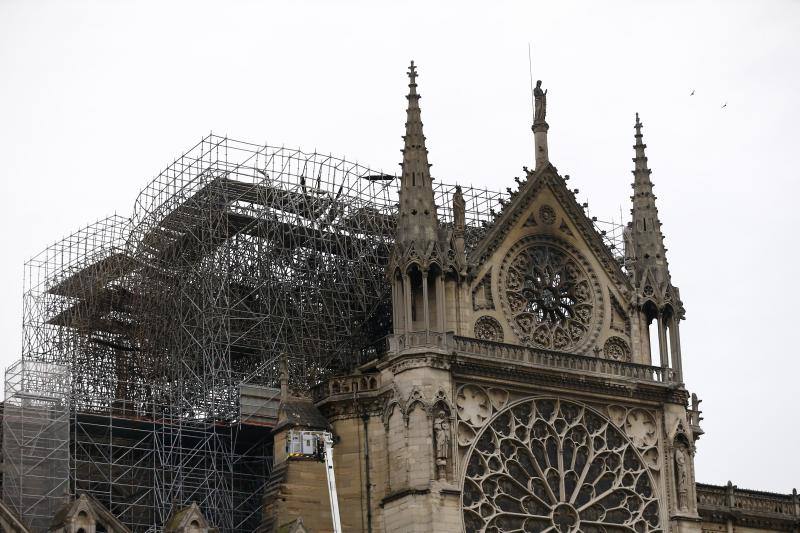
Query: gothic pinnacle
[(647, 239), (418, 219), (639, 147)]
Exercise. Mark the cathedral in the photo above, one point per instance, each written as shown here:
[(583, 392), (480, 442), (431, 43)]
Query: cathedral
[(521, 391), (521, 374)]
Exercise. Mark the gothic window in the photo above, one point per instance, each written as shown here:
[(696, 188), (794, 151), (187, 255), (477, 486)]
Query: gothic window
[(556, 466), (549, 297)]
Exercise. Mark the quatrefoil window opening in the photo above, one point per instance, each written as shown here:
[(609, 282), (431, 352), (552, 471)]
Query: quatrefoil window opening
[(559, 467)]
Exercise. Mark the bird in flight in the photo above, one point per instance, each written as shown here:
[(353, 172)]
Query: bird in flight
[(724, 105), (692, 93)]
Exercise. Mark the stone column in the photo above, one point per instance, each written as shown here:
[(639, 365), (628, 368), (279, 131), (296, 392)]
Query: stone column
[(425, 305), (662, 342), (540, 143), (398, 311), (675, 345), (407, 302), (440, 301)]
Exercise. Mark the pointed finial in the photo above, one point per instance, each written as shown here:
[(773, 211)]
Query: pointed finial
[(412, 77)]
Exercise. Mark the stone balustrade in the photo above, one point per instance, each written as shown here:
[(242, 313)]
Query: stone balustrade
[(498, 351), (524, 355), (420, 339), (738, 504), (346, 385), (711, 495)]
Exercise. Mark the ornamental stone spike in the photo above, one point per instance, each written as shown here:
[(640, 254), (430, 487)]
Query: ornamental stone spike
[(418, 221), (646, 236)]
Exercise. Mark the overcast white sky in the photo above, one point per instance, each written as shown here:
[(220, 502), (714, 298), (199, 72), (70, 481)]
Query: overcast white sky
[(97, 97)]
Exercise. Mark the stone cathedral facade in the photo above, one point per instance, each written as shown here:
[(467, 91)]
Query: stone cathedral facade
[(520, 391), (532, 382)]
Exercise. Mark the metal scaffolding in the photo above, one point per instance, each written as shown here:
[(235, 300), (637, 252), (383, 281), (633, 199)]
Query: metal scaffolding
[(235, 255), (36, 440)]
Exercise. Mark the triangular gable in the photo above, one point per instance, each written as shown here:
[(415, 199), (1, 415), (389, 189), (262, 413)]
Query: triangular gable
[(188, 520), (589, 314), (83, 511), (518, 208)]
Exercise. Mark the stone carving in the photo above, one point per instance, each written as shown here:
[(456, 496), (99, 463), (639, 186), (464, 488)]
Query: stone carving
[(682, 476), (629, 248), (473, 405), (488, 329), (540, 106), (459, 209), (641, 428), (617, 349), (498, 397), (465, 434), (547, 215), (650, 458), (617, 414), (482, 293), (441, 433), (563, 227), (559, 466), (549, 296)]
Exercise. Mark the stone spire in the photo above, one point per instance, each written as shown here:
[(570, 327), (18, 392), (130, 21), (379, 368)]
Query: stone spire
[(418, 221), (646, 238), (646, 261)]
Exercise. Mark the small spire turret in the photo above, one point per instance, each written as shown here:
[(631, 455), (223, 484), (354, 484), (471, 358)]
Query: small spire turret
[(422, 257), (418, 220), (646, 261), (648, 240)]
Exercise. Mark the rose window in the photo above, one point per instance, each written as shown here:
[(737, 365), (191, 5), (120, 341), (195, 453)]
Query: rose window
[(617, 349), (556, 466), (549, 298), (488, 329)]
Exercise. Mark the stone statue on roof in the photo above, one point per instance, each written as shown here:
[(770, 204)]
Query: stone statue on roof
[(540, 107)]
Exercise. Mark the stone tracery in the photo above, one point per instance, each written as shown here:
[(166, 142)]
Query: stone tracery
[(556, 466), (617, 349), (488, 329), (549, 296)]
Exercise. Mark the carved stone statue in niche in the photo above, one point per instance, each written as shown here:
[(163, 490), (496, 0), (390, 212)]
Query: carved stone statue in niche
[(441, 434), (682, 476)]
